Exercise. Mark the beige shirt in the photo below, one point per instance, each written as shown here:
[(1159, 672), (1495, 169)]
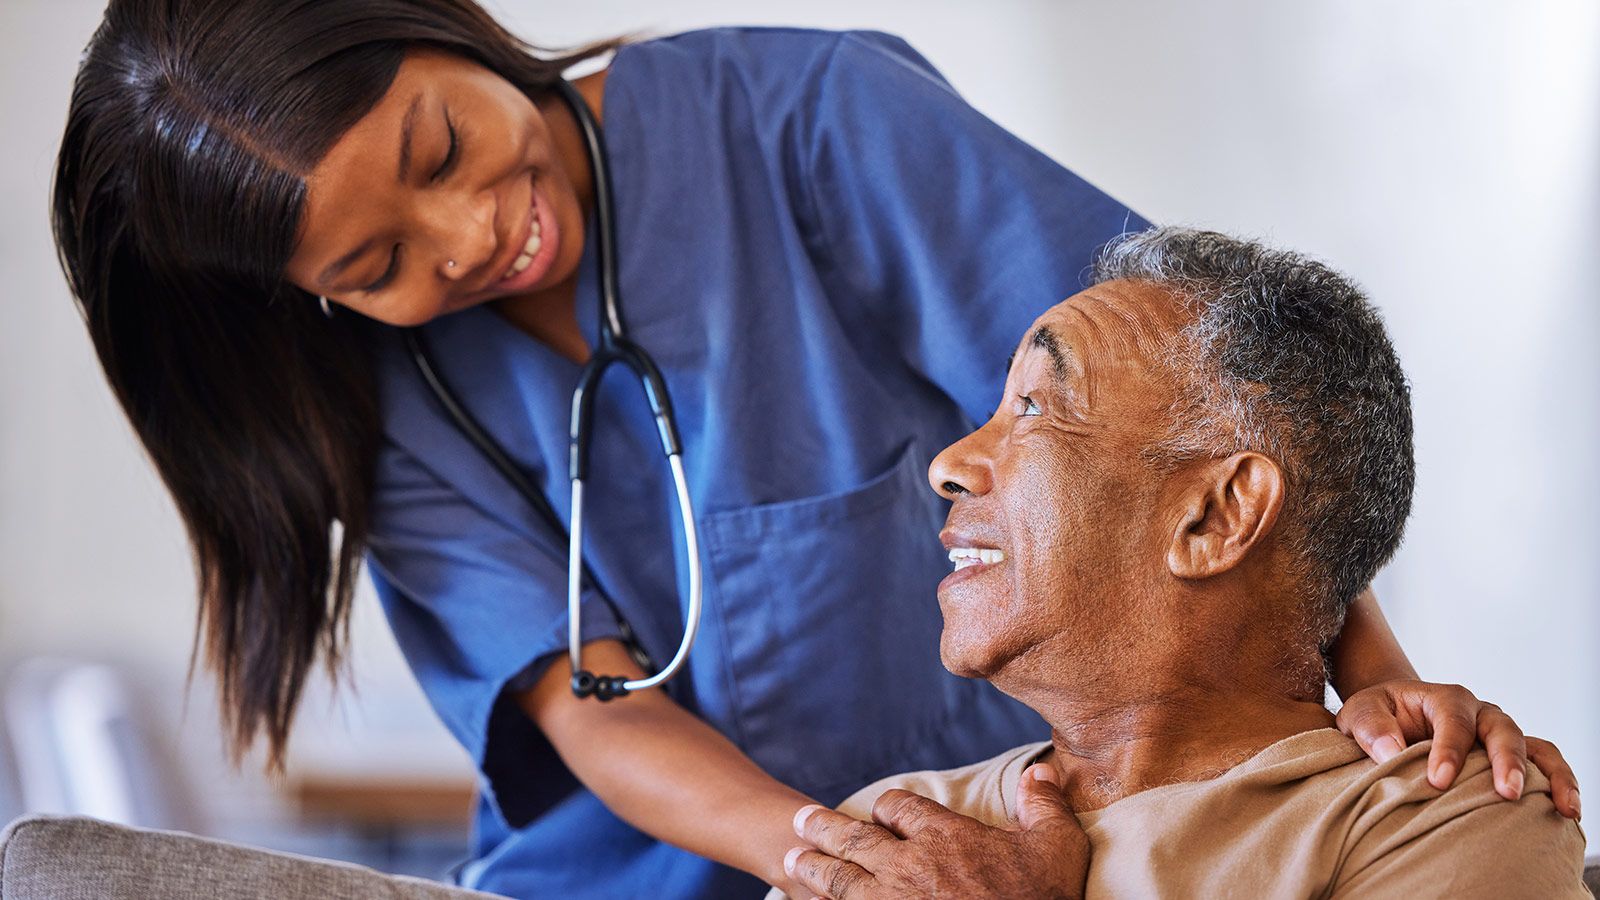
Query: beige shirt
[(1309, 817)]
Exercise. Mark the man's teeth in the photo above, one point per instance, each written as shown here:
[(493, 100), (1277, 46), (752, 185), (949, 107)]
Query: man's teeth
[(525, 258), (971, 556)]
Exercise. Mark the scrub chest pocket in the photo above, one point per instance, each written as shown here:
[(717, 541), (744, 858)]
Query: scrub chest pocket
[(832, 622)]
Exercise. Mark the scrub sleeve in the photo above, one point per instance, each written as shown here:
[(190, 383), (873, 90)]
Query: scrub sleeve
[(831, 256), (473, 634)]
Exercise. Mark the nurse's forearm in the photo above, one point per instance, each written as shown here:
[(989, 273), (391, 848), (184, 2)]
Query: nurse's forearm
[(666, 772), (1366, 652)]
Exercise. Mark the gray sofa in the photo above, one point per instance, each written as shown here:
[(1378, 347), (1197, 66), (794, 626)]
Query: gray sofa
[(74, 858)]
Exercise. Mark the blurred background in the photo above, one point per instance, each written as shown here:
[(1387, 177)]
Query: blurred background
[(1445, 153)]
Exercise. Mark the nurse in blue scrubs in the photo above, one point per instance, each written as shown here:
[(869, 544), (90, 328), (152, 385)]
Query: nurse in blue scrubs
[(829, 254)]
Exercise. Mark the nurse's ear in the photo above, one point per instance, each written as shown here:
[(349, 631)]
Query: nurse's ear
[(1225, 508)]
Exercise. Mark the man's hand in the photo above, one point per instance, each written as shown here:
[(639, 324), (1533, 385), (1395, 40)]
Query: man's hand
[(919, 849), (1387, 716)]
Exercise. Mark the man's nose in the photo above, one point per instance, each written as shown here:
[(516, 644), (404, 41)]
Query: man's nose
[(965, 467)]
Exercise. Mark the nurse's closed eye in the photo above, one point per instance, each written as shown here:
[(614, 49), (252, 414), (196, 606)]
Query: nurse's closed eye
[(383, 280), (452, 154)]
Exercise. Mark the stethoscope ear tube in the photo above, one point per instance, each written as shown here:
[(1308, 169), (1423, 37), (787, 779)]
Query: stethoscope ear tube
[(691, 619), (614, 347), (602, 687)]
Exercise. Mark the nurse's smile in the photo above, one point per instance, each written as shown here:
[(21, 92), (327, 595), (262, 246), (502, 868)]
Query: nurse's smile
[(539, 244), (454, 190)]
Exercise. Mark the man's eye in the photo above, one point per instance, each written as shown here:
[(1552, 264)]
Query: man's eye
[(1027, 407)]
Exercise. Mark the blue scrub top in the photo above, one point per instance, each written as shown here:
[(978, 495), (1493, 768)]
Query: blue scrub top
[(830, 255)]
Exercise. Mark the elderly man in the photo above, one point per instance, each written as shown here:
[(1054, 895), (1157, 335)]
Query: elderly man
[(1197, 465)]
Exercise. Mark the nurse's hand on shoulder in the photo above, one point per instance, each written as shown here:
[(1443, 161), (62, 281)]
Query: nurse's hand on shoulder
[(916, 848), (1386, 717)]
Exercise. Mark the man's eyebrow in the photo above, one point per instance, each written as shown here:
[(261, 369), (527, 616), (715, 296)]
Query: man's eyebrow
[(408, 124), (1046, 340)]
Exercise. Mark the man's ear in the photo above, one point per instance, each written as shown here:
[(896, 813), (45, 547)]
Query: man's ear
[(1229, 507)]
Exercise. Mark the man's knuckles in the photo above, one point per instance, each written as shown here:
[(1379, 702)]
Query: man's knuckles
[(820, 872), (858, 840), (842, 880), (827, 829), (898, 808)]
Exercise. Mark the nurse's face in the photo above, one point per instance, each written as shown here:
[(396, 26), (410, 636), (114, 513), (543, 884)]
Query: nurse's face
[(1056, 483), (448, 193)]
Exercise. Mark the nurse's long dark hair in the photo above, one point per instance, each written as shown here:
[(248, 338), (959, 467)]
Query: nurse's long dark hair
[(178, 196)]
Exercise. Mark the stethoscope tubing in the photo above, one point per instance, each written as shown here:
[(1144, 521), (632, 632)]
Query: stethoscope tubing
[(575, 582), (417, 346), (613, 347)]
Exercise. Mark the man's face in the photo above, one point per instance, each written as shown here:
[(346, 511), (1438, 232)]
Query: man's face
[(1056, 482)]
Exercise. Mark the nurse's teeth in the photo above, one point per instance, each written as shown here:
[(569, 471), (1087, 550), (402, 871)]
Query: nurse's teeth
[(525, 258), (971, 556)]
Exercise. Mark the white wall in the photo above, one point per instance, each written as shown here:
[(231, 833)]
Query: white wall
[(1442, 152)]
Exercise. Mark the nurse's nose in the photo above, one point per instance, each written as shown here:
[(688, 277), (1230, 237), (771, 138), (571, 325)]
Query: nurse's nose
[(466, 236), (967, 466)]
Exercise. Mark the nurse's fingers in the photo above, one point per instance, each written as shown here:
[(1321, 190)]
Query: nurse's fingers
[(826, 875), (1455, 731), (1563, 783), (1369, 717), (1508, 750), (839, 835)]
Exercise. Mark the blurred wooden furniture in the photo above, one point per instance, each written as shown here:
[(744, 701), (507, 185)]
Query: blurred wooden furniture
[(382, 802)]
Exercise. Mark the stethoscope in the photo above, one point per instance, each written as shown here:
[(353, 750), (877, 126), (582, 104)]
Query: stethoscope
[(614, 347)]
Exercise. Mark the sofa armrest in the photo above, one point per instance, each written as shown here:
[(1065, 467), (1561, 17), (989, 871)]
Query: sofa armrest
[(68, 857)]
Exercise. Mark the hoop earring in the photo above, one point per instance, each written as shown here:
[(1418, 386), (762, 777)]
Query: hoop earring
[(326, 309)]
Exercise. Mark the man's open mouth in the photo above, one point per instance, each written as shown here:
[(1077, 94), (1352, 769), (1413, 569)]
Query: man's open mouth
[(972, 556)]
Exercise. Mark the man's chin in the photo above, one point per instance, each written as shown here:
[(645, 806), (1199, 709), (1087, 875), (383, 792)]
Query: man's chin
[(961, 660)]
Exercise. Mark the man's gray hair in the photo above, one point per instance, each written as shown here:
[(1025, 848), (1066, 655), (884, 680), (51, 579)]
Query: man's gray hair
[(1285, 357)]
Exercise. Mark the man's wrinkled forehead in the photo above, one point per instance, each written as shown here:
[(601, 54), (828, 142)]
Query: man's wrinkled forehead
[(1122, 318)]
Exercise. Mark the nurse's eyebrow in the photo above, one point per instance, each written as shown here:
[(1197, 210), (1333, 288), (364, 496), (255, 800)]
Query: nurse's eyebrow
[(335, 268), (407, 126)]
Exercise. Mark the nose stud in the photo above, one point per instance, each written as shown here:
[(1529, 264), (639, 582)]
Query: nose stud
[(451, 264)]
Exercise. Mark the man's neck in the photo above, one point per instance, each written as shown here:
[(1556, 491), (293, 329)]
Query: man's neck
[(1105, 752), (1190, 681)]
